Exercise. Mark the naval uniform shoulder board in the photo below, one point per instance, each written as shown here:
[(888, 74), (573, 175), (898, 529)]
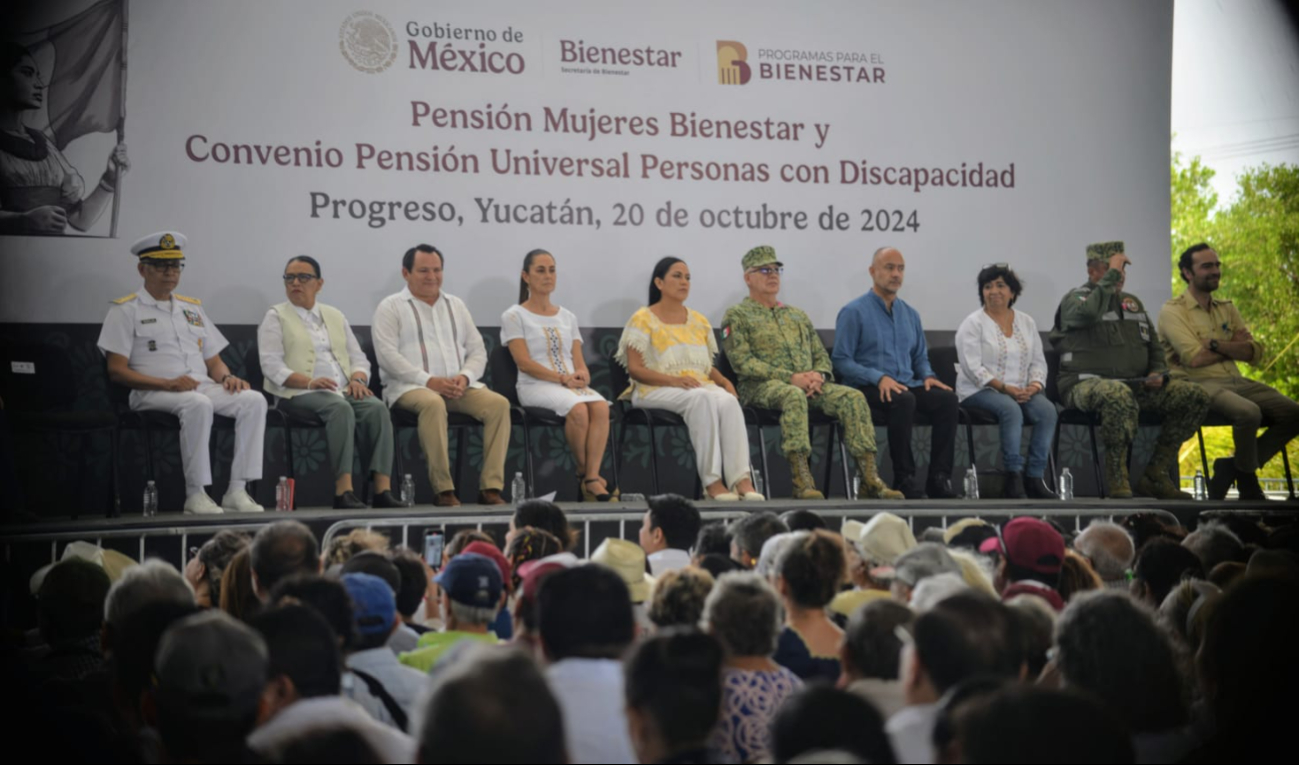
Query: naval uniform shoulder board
[(195, 301), (126, 299)]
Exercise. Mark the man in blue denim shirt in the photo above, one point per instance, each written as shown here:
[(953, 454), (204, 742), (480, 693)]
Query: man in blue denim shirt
[(879, 347)]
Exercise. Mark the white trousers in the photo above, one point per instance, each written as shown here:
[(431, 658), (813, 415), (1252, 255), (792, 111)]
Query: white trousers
[(716, 424), (195, 409)]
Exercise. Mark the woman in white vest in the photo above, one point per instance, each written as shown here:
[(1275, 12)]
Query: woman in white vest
[(313, 363), (546, 345)]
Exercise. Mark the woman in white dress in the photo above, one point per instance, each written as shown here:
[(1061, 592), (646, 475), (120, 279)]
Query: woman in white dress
[(546, 344), (668, 350), (1003, 371)]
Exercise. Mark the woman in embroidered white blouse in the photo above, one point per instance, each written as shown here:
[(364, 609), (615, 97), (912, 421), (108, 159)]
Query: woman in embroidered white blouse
[(668, 350), (1003, 371), (546, 345)]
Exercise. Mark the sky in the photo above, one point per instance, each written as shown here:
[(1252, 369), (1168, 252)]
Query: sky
[(1236, 85)]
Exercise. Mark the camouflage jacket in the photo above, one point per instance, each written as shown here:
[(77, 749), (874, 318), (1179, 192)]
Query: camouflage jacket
[(765, 344), (1102, 334)]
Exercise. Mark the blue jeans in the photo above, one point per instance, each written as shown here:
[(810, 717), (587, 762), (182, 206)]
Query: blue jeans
[(1011, 416)]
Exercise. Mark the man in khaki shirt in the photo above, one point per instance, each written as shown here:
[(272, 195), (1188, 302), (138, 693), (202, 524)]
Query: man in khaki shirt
[(1203, 339)]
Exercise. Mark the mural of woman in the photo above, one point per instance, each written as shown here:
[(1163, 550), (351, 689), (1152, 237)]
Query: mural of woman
[(40, 191)]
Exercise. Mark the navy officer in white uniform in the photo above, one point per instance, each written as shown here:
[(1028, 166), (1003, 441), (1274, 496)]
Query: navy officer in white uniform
[(164, 347)]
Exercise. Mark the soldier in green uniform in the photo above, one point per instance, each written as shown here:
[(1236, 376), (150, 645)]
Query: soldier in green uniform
[(782, 364), (1111, 363)]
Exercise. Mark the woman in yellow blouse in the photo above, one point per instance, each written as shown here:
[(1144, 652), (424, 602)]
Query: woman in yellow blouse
[(668, 350)]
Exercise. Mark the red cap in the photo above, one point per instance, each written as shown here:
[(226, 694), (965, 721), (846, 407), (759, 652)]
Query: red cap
[(1034, 545), (490, 551)]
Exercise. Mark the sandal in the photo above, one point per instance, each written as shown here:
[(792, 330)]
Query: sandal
[(590, 496)]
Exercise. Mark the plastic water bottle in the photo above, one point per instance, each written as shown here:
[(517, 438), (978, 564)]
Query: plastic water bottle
[(518, 489), (856, 485), (1201, 490), (407, 491), (150, 504), (971, 483), (1066, 485), (759, 485), (282, 495), (632, 498)]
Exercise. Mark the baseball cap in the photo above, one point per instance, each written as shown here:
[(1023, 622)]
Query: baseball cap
[(762, 255), (472, 580), (1033, 544), (211, 665), (493, 553), (374, 607)]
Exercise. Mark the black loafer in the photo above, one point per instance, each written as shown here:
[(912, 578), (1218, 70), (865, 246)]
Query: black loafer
[(387, 499), (909, 488), (1037, 488), (939, 487), (1224, 475), (348, 501), (1015, 486), (1248, 488)]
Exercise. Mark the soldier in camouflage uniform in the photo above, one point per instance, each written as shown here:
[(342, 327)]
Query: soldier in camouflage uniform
[(1111, 363), (782, 364)]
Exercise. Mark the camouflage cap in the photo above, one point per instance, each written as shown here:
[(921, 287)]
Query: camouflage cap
[(1103, 250), (761, 255)]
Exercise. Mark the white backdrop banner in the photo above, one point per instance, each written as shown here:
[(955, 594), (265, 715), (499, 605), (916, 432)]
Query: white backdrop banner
[(610, 134)]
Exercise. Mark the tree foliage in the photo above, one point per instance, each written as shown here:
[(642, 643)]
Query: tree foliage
[(1256, 235)]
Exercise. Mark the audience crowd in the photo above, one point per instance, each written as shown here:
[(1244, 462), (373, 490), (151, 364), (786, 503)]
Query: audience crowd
[(769, 639)]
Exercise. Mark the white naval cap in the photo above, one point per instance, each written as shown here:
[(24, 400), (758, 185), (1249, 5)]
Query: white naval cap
[(162, 245)]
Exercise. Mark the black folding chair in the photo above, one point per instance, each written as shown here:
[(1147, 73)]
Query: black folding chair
[(1215, 420), (646, 418), (404, 419), (38, 385), (757, 418)]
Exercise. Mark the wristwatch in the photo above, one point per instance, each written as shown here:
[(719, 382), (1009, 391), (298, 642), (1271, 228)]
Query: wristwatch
[(1213, 345)]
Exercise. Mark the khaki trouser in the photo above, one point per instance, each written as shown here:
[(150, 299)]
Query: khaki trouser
[(1248, 404), (491, 409)]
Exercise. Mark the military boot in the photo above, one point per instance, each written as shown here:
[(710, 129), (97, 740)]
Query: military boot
[(872, 486), (1155, 481), (1116, 474), (804, 484)]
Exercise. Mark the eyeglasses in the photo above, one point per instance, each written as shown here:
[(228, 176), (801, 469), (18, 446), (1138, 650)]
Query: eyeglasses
[(299, 278), (768, 270), (166, 267), (996, 265)]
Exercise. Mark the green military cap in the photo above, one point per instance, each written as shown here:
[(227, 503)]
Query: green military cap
[(762, 255), (1103, 250)]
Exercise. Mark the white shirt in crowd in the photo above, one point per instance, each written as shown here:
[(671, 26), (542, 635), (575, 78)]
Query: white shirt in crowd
[(400, 681), (911, 731), (329, 713), (590, 695), (669, 559), (986, 354), (270, 344), (415, 341)]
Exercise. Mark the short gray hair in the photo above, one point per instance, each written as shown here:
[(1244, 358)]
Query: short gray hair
[(154, 581), (466, 614), (744, 613), (1109, 547), (752, 531), (1214, 543)]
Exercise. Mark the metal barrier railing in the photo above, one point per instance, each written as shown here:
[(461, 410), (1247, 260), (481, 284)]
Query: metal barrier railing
[(184, 532), (585, 520), (582, 520)]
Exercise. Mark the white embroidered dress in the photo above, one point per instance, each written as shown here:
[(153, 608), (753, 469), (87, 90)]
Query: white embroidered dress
[(550, 343)]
